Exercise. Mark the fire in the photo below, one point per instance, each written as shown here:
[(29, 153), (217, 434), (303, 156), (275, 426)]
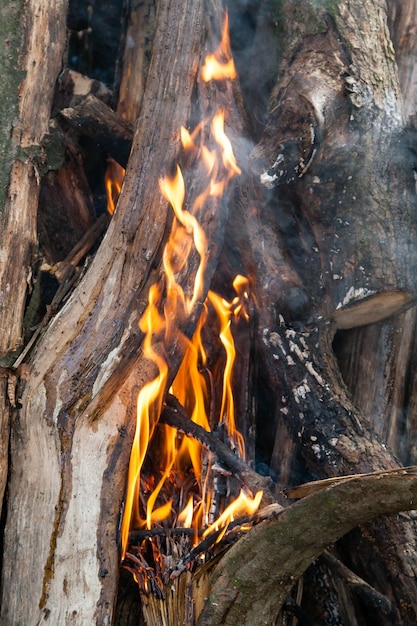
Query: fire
[(113, 180), (181, 491), (220, 65), (243, 505)]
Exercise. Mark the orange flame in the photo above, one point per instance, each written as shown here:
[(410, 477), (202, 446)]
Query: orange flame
[(181, 456), (185, 518), (243, 505), (149, 406), (113, 180), (220, 65)]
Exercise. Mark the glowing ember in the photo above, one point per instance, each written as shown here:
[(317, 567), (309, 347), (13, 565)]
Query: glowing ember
[(181, 491), (113, 180)]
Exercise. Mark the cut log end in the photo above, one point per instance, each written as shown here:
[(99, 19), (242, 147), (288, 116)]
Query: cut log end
[(372, 309)]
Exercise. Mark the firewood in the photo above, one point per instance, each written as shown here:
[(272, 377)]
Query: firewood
[(376, 600)]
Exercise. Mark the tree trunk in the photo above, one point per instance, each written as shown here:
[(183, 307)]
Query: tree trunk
[(323, 223)]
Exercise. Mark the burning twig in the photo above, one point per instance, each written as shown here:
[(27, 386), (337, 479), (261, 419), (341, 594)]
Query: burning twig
[(174, 415)]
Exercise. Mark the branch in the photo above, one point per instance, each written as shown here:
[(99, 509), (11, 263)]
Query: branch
[(174, 415), (280, 550)]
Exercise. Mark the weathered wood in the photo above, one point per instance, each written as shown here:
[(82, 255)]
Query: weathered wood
[(136, 58), (326, 234), (403, 24), (44, 27), (26, 90), (65, 210)]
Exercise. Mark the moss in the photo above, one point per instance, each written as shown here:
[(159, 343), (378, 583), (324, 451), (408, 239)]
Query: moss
[(10, 78)]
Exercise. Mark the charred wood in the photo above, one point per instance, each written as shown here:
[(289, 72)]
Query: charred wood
[(94, 119)]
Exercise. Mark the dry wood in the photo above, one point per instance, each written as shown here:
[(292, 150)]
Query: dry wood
[(403, 23), (135, 63), (28, 116)]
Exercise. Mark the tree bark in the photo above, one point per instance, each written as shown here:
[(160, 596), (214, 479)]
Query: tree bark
[(296, 537), (26, 92)]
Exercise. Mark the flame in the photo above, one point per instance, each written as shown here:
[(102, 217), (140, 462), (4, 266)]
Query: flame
[(173, 190), (185, 518), (113, 180), (227, 411), (149, 405), (243, 505), (183, 471), (220, 65)]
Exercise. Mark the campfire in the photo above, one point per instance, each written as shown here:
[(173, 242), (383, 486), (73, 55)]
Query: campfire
[(181, 499)]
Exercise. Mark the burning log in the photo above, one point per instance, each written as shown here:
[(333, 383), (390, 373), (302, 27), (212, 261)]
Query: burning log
[(101, 318)]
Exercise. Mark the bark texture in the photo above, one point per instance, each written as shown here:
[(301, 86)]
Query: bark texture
[(294, 539), (324, 225)]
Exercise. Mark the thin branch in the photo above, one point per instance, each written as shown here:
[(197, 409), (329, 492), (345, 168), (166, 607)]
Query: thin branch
[(174, 415)]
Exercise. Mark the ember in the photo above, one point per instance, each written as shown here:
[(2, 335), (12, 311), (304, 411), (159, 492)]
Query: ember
[(174, 481)]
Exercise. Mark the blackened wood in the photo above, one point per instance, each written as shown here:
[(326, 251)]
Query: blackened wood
[(93, 118)]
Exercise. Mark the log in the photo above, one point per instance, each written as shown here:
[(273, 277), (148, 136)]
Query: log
[(94, 119), (294, 539), (325, 213)]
